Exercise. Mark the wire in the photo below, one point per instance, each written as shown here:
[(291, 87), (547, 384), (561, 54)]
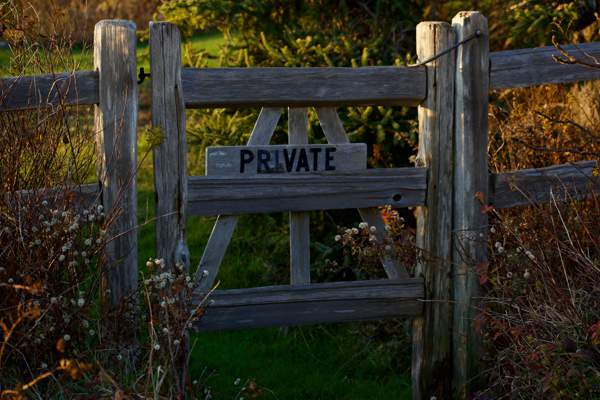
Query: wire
[(474, 35)]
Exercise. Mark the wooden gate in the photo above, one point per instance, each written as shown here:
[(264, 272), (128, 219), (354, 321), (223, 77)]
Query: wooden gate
[(258, 178)]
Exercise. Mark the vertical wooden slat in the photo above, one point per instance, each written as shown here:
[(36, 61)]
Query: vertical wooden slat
[(225, 225), (299, 221), (170, 161), (170, 172), (333, 129), (432, 331), (470, 183), (115, 120)]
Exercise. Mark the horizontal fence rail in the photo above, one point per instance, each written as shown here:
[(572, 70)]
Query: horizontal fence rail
[(252, 87), (35, 91), (528, 67), (538, 185), (316, 87), (78, 197), (316, 303), (399, 187)]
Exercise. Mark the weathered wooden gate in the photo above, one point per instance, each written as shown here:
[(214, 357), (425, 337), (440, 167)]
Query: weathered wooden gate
[(297, 178), (448, 186)]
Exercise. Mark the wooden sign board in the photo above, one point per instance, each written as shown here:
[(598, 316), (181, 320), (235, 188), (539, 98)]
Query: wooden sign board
[(285, 159)]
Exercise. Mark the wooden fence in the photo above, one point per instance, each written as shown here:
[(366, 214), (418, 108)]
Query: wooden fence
[(450, 178)]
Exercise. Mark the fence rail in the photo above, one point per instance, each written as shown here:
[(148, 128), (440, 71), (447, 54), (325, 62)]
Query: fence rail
[(35, 91), (78, 196), (291, 305), (529, 67), (296, 87), (540, 185), (253, 87), (399, 187)]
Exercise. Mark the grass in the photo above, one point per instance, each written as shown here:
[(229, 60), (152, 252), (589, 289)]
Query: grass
[(307, 363)]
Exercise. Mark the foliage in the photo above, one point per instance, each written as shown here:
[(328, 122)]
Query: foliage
[(529, 23)]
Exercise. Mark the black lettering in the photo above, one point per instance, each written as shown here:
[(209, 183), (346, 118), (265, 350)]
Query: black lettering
[(302, 161), (246, 157), (328, 158), (276, 166), (263, 161), (315, 152), (289, 159)]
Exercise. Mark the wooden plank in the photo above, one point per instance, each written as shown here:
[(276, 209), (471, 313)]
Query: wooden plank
[(300, 221), (220, 236), (298, 87), (284, 159), (399, 187), (170, 165), (333, 129), (50, 90), (312, 304), (470, 182), (116, 130), (332, 125), (170, 157), (79, 197), (538, 185), (528, 67), (431, 346)]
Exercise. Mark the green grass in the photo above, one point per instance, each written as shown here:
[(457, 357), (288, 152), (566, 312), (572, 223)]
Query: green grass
[(307, 363)]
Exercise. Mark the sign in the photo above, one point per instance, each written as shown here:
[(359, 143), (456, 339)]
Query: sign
[(285, 159)]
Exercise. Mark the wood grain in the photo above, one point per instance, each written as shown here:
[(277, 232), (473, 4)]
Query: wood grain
[(300, 221), (399, 187), (116, 132), (225, 160), (470, 181), (538, 185), (528, 67), (298, 87), (170, 157), (333, 129), (222, 231), (431, 347), (50, 90), (312, 304)]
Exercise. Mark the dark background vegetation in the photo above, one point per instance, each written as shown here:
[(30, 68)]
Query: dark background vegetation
[(541, 321)]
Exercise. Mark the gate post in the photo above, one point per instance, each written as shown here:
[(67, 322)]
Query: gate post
[(470, 189), (431, 360), (170, 160), (115, 123), (170, 156)]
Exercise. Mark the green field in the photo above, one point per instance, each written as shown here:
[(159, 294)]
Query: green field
[(83, 55), (320, 362)]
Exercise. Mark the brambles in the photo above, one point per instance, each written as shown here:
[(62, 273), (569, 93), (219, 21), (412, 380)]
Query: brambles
[(542, 293), (542, 302), (168, 293), (49, 276)]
